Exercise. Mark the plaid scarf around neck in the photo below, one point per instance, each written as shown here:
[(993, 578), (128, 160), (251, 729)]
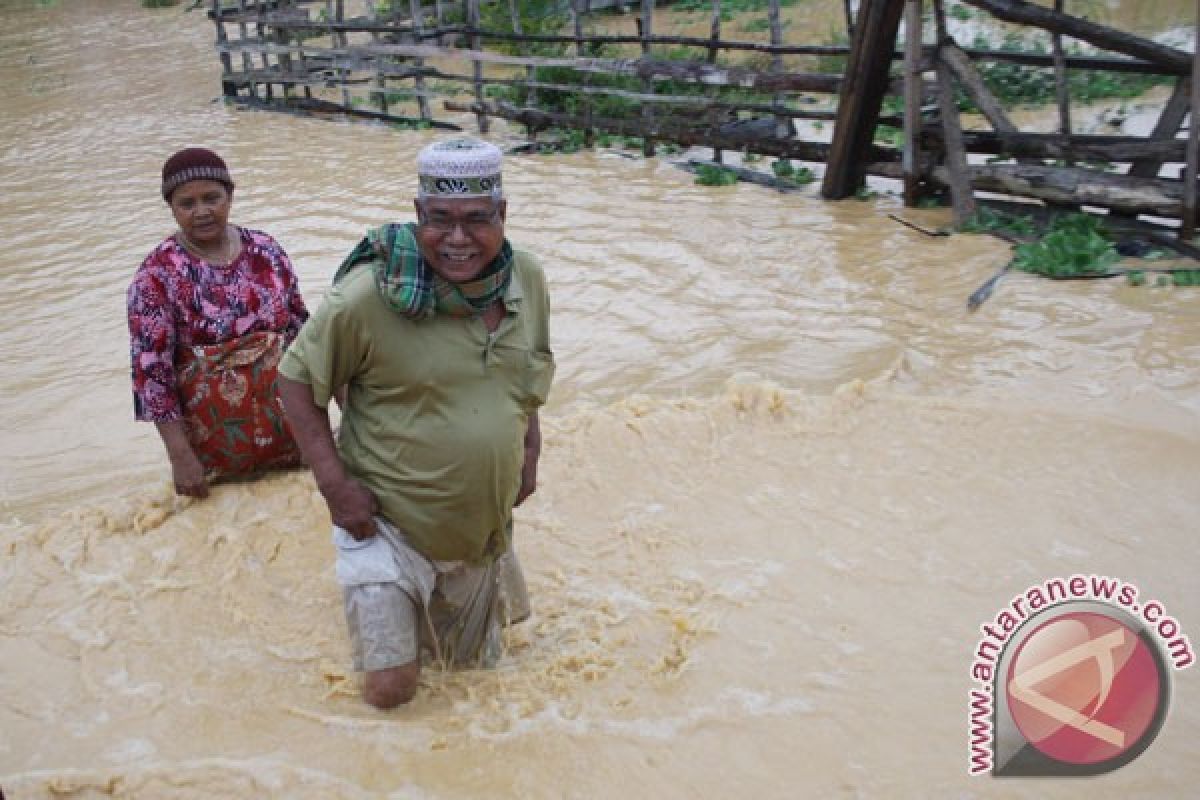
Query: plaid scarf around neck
[(409, 285)]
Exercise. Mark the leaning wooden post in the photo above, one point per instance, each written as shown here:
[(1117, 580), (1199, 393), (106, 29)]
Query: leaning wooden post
[(961, 195), (481, 118), (647, 23), (1062, 87), (418, 27), (849, 20), (1188, 229), (714, 39), (913, 90), (860, 97)]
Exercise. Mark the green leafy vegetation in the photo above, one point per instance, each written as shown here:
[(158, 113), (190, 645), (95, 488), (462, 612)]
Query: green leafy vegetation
[(711, 175), (1075, 244), (762, 24), (887, 134), (835, 65), (788, 173), (1016, 84), (730, 6), (411, 124), (986, 220), (537, 18)]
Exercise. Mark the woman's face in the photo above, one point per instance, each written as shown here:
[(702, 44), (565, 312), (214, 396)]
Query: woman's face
[(201, 208)]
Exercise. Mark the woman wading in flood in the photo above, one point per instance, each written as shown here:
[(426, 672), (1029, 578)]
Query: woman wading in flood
[(211, 310)]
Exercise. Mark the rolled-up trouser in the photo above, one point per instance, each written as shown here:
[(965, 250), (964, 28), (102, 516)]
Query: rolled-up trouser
[(398, 602)]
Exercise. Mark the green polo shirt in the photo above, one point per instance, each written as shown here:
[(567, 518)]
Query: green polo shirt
[(437, 409)]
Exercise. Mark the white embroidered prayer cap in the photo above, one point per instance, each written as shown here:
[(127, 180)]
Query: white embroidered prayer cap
[(460, 167)]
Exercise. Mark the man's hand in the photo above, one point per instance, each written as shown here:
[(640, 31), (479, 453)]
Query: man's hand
[(533, 451), (528, 478), (352, 507)]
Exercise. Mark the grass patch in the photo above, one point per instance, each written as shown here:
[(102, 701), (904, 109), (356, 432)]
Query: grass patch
[(710, 175), (1015, 84), (986, 221), (761, 25), (959, 12), (730, 6), (788, 173), (411, 124), (1186, 277)]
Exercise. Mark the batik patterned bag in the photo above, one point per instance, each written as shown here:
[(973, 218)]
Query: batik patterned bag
[(232, 412)]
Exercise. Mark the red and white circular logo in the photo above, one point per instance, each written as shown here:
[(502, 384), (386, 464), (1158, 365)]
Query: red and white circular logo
[(1084, 688)]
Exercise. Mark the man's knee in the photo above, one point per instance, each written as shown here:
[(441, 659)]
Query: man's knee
[(387, 688)]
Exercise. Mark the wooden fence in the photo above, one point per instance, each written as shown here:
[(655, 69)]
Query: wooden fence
[(542, 64)]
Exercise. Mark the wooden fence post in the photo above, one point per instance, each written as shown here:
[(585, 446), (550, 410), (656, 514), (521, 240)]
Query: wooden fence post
[(514, 13), (481, 118), (913, 89), (228, 88), (578, 7), (1188, 229), (714, 39), (962, 196), (247, 62), (647, 23), (381, 95), (861, 97), (417, 13), (1062, 87), (783, 125)]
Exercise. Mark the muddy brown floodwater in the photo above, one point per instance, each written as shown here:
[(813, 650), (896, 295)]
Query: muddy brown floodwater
[(786, 477)]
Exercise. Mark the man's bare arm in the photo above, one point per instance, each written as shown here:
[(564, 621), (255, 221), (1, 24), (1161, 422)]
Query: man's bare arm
[(351, 505), (533, 451)]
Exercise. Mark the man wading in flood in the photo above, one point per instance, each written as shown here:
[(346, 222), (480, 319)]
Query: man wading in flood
[(439, 331)]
